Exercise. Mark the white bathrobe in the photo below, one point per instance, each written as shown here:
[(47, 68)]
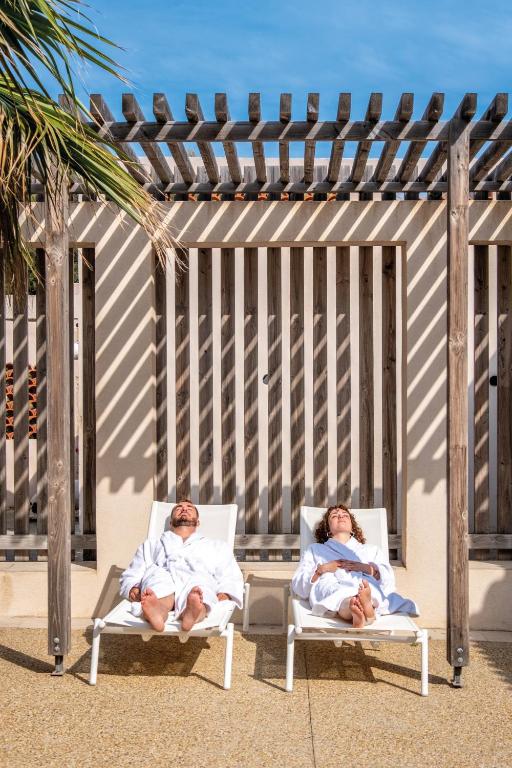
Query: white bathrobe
[(331, 589), (170, 565)]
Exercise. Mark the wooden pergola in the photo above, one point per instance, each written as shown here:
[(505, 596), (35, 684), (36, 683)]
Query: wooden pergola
[(469, 157)]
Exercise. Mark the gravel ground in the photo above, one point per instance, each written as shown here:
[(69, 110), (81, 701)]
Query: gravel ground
[(161, 704)]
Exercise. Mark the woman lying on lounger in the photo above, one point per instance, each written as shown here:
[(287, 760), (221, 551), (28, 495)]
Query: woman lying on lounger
[(343, 575)]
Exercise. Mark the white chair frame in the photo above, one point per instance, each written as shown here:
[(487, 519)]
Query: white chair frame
[(218, 521), (393, 628)]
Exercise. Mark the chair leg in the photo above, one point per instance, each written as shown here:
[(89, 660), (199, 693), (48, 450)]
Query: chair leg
[(245, 614), (228, 658), (424, 663), (290, 648), (95, 651)]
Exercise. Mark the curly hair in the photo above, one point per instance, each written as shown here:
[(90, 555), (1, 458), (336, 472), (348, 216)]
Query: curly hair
[(322, 531)]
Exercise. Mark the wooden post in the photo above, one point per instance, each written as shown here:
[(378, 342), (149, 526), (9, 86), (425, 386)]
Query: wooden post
[(457, 469), (88, 373), (60, 448)]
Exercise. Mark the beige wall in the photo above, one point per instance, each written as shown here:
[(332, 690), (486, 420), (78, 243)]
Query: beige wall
[(126, 386)]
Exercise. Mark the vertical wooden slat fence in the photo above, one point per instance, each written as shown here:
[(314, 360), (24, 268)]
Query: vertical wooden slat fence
[(297, 465), (20, 400), (88, 378), (3, 463), (504, 490)]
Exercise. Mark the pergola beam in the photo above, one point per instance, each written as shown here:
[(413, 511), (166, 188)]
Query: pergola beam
[(414, 151), (163, 114), (312, 114), (133, 114), (222, 115), (338, 145), (257, 146), (195, 116), (403, 114), (373, 114), (465, 111), (285, 115)]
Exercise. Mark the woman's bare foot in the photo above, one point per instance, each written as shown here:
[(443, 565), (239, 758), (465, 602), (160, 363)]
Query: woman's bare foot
[(365, 598), (356, 609), (153, 611), (195, 609)]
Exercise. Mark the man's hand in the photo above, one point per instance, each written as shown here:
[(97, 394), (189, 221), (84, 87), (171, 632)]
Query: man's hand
[(134, 595), (223, 596)]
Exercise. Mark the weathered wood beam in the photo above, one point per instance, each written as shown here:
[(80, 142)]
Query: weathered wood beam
[(60, 447), (195, 115), (404, 114), (414, 151), (482, 165), (39, 542), (3, 462), (338, 145), (163, 114), (465, 111), (88, 373), (312, 108), (495, 113), (222, 115), (285, 115), (490, 541), (504, 169), (373, 114), (274, 130), (257, 146), (104, 117), (133, 114), (457, 459), (21, 445), (42, 396)]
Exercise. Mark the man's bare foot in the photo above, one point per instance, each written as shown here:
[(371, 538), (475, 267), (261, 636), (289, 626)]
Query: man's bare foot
[(365, 598), (356, 609), (153, 611), (195, 609)]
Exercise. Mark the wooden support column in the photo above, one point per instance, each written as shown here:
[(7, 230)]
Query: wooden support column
[(59, 412), (457, 469)]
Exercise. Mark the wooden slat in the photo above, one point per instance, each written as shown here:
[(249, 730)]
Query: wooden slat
[(162, 453), (287, 541), (404, 114), (223, 116), (3, 462), (102, 114), (20, 370), (205, 376), (183, 487), (503, 171), (457, 252), (133, 114), (195, 115), (257, 146), (228, 375), (504, 507), (163, 114), (389, 409), (297, 383), (320, 457), (39, 542), (415, 149), (275, 460), (366, 388), (309, 145), (338, 146), (251, 389), (42, 389), (373, 114), (481, 390), (486, 161), (490, 541), (285, 115), (60, 446), (482, 165), (343, 417)]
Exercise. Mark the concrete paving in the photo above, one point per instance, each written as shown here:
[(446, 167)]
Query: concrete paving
[(161, 704)]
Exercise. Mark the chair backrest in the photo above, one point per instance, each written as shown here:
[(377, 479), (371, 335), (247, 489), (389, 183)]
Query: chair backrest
[(374, 523), (218, 521)]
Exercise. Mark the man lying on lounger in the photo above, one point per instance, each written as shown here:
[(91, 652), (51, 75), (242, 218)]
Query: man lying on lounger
[(181, 571)]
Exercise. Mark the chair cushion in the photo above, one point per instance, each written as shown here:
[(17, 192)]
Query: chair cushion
[(123, 616)]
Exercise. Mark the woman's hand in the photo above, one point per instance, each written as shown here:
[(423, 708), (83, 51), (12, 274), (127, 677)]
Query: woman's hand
[(322, 568), (134, 595), (355, 565)]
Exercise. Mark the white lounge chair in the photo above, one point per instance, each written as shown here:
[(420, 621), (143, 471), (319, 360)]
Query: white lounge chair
[(394, 628), (218, 521)]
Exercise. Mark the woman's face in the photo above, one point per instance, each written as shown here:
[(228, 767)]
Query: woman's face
[(339, 521)]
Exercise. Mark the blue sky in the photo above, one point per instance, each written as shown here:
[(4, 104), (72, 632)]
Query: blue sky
[(272, 46)]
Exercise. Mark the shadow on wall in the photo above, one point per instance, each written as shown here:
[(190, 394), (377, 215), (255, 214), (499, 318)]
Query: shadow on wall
[(497, 654)]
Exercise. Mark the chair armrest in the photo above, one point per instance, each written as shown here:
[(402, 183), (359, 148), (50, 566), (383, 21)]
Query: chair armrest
[(245, 613), (296, 613)]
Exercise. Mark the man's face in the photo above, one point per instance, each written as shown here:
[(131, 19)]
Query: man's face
[(184, 514)]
